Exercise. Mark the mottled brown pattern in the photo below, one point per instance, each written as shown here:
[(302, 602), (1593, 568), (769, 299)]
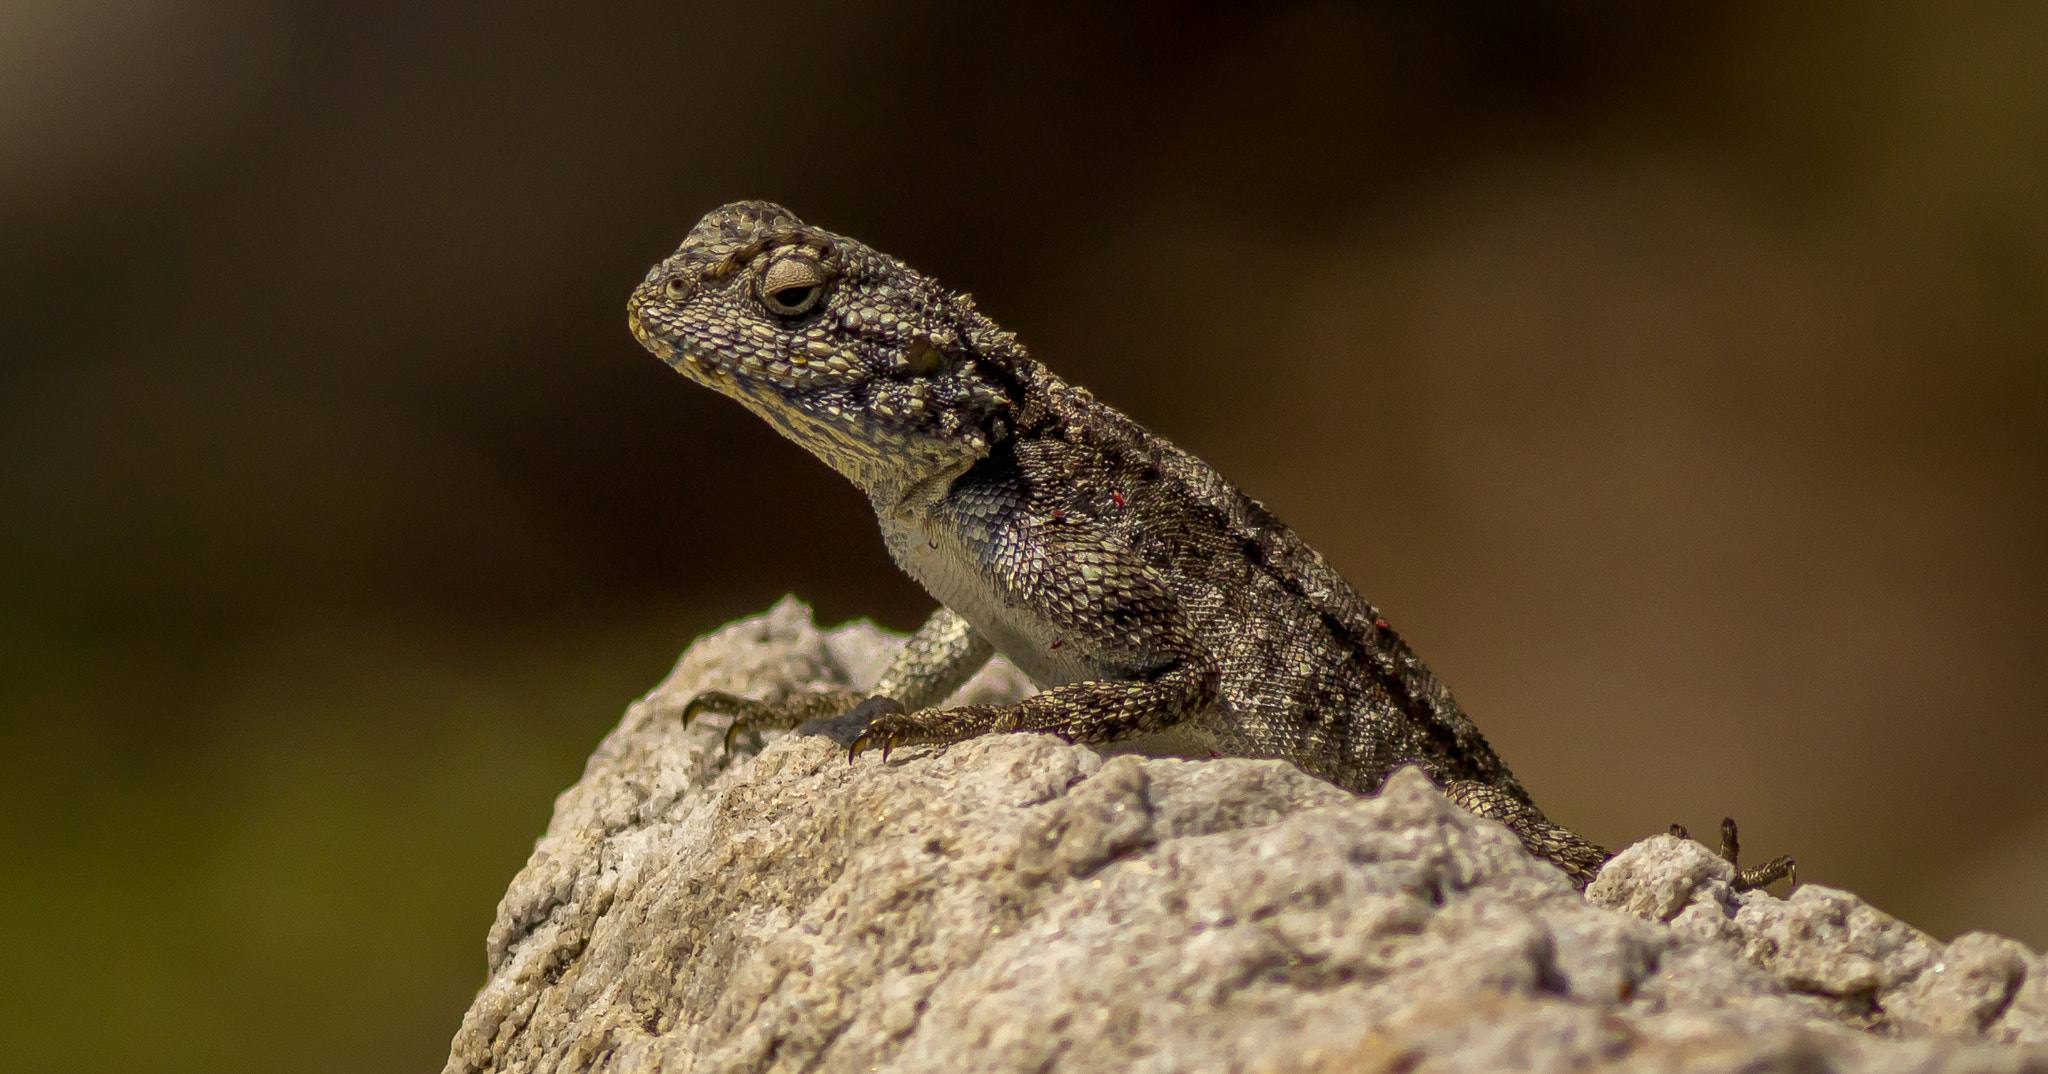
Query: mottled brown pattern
[(1150, 598)]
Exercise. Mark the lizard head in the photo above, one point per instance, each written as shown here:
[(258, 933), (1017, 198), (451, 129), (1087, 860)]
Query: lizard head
[(892, 380)]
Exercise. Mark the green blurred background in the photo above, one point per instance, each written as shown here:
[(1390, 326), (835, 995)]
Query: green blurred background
[(1675, 376)]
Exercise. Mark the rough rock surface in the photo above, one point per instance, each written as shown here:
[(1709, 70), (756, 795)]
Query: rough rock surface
[(1016, 903)]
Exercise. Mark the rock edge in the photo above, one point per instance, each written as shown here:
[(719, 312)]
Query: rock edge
[(1017, 903)]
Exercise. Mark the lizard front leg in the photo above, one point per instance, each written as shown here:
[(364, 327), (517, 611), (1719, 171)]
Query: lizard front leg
[(1098, 711), (1110, 613), (940, 658)]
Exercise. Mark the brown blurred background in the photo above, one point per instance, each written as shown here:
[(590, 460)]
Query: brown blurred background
[(1673, 375)]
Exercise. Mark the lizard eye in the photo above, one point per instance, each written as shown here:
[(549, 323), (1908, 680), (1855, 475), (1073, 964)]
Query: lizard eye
[(676, 288), (792, 286)]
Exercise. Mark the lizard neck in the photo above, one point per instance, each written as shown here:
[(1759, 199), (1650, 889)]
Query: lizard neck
[(905, 496), (900, 491)]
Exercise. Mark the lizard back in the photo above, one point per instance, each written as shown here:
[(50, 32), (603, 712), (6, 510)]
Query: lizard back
[(1311, 671)]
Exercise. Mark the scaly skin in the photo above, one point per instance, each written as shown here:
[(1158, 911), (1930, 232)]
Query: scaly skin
[(1148, 597)]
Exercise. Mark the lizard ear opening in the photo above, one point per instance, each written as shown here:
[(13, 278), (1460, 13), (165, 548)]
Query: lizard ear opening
[(923, 359), (792, 286)]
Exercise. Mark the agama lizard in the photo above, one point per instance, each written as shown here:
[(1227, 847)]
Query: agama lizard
[(1146, 596)]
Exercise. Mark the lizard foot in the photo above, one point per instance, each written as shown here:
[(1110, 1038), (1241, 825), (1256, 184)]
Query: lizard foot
[(888, 727), (751, 715), (1755, 876), (892, 727)]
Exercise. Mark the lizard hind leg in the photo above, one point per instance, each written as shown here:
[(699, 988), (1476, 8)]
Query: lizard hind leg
[(1581, 860), (944, 653), (1755, 876)]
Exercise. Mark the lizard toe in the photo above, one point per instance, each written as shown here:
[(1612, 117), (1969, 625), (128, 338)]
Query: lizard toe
[(717, 702)]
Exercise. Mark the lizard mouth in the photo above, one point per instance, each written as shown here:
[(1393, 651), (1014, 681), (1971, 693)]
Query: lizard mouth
[(698, 367), (914, 412)]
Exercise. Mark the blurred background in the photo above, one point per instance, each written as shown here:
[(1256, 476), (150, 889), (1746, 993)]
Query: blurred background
[(1674, 376)]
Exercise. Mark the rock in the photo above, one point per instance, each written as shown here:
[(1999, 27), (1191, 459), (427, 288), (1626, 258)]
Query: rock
[(1018, 903), (1870, 968)]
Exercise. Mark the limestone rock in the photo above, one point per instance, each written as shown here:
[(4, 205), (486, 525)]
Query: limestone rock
[(1017, 903)]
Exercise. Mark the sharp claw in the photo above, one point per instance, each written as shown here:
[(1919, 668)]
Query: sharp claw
[(889, 741), (708, 701), (732, 733)]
